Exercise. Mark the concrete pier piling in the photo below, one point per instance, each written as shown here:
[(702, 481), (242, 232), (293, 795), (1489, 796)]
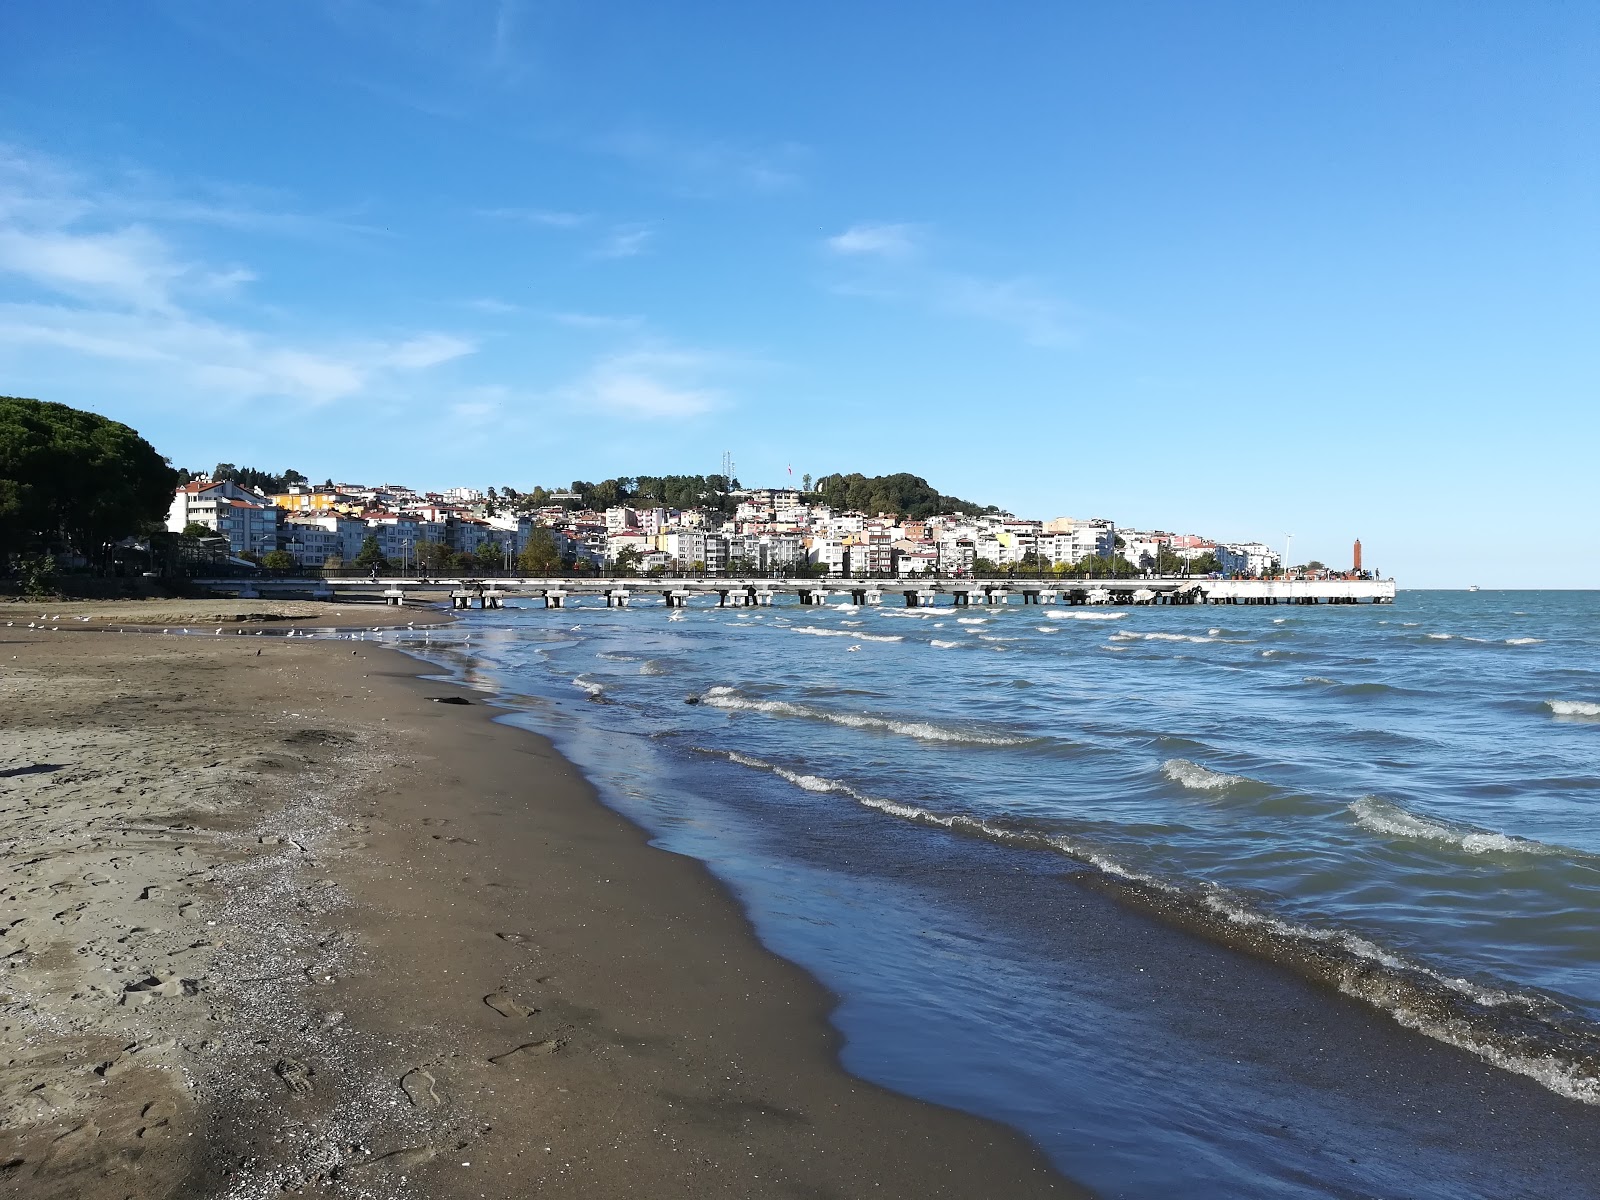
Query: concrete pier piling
[(736, 592)]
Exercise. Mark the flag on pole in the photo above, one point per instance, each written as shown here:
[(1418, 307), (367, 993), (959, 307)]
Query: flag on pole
[(791, 469)]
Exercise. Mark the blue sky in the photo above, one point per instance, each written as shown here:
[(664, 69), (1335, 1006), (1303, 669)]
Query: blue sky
[(1234, 268)]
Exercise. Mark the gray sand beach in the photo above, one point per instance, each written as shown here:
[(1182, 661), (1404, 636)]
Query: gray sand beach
[(276, 922)]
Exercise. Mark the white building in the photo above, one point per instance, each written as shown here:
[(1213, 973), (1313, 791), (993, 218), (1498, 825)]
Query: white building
[(1076, 540), (1247, 558), (250, 523)]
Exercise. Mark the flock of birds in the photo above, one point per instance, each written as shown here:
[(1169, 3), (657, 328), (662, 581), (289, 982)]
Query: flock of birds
[(44, 623)]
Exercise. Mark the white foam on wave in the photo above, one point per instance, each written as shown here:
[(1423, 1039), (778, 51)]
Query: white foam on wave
[(1130, 635), (1523, 641), (925, 731), (1564, 1078), (810, 783), (1197, 778), (944, 645), (593, 686), (653, 666), (1056, 614), (995, 637), (1045, 628), (1438, 637), (1320, 679), (860, 637), (972, 620), (1378, 815), (1573, 708), (1279, 620)]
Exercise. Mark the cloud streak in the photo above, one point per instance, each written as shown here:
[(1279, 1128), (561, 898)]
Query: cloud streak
[(877, 241), (109, 292), (893, 267), (650, 382)]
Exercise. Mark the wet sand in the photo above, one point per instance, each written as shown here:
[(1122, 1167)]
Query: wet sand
[(277, 921)]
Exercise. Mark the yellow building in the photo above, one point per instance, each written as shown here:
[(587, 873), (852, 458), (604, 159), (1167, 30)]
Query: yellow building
[(306, 501)]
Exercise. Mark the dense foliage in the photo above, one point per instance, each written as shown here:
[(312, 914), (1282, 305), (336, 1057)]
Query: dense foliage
[(74, 481), (904, 495), (263, 481), (640, 491)]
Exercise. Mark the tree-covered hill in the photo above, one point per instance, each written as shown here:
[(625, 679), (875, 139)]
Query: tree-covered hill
[(904, 495)]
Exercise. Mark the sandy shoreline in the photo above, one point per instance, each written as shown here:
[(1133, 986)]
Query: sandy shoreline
[(277, 921)]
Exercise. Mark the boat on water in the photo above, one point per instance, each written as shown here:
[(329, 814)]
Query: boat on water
[(1472, 587)]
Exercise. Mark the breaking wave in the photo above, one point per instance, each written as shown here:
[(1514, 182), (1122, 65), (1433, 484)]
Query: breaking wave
[(1197, 778), (1056, 614), (925, 731), (1573, 708), (593, 687), (860, 637), (1525, 1033), (944, 645), (1130, 635), (1384, 816)]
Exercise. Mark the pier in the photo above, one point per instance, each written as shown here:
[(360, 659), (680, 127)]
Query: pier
[(465, 593)]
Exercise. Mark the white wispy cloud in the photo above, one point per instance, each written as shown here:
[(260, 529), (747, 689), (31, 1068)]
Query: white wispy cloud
[(1042, 319), (596, 321), (625, 241), (878, 240), (654, 382), (892, 265), (110, 292), (709, 166), (552, 217)]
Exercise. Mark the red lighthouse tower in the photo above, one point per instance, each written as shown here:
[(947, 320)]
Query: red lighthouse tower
[(1358, 556)]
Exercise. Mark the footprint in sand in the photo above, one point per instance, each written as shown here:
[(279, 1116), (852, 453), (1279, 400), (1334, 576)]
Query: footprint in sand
[(296, 1076), (48, 1097), (520, 939), (439, 837), (506, 1006), (436, 820), (157, 1117), (526, 1051), (395, 1160), (418, 1086), (157, 987)]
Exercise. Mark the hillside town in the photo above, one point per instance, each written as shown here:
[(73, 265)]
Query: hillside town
[(755, 531)]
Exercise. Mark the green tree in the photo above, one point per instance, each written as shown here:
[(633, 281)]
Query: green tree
[(540, 555), (194, 531), (903, 495), (627, 561), (278, 560), (371, 555), (74, 481), (490, 556), (431, 556)]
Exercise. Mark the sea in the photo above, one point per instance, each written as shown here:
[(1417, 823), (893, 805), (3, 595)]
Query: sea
[(1273, 901)]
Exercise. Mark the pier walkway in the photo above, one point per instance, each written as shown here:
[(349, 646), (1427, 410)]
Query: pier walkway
[(913, 593)]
